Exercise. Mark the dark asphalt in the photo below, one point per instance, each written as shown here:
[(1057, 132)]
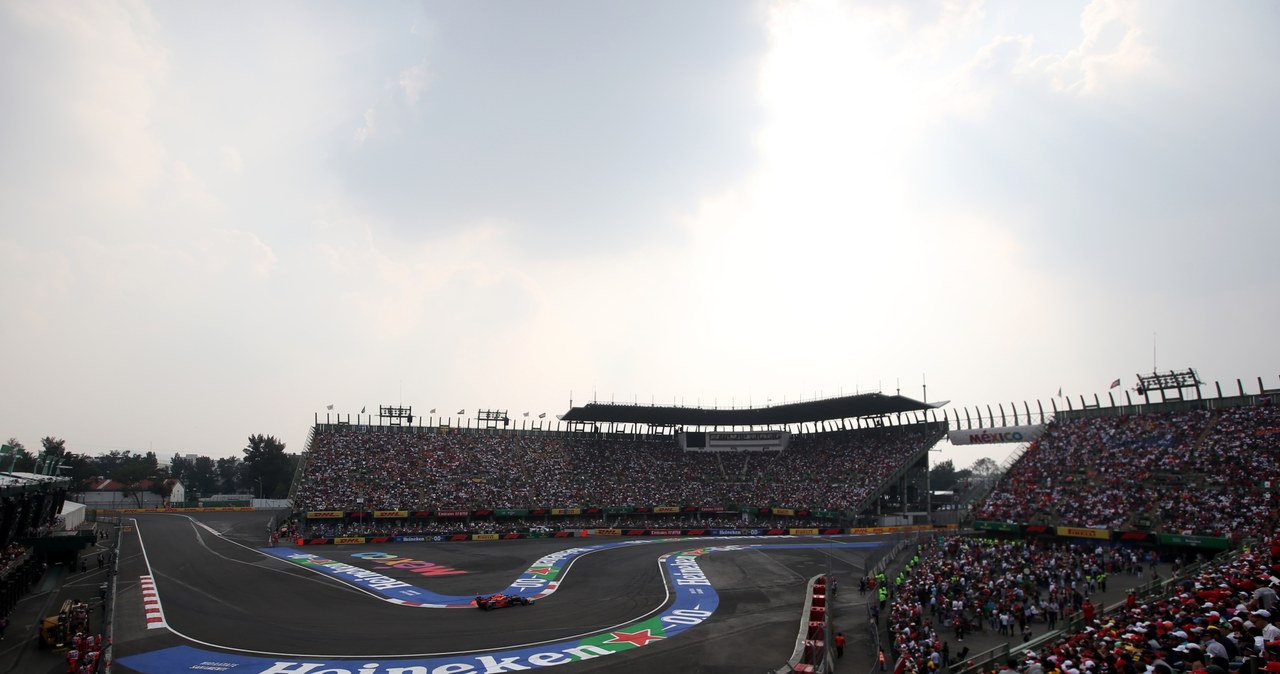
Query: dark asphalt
[(219, 593)]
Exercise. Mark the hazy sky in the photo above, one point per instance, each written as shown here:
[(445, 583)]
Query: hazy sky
[(218, 218)]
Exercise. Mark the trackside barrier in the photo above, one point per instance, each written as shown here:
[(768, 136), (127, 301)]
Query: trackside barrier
[(812, 655)]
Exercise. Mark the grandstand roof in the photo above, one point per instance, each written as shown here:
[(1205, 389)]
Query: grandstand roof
[(844, 407)]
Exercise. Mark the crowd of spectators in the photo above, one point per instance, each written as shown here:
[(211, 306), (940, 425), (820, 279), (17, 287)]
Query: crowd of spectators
[(401, 468), (10, 557), (1222, 616), (1220, 620), (959, 584), (445, 526), (1193, 472)]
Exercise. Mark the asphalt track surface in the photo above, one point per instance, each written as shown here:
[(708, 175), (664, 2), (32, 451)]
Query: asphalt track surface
[(229, 604)]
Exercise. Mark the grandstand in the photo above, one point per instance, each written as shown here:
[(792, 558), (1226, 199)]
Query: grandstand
[(864, 455), (1099, 490), (1123, 490), (1204, 472), (1192, 467)]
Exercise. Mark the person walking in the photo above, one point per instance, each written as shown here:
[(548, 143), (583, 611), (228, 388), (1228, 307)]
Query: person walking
[(839, 644)]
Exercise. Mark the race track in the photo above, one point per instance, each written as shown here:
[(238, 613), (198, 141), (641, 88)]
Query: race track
[(218, 600)]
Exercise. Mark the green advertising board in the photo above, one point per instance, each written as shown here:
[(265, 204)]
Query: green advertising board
[(1211, 542), (997, 526), (510, 512)]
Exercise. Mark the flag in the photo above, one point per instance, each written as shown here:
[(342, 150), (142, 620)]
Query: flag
[(462, 411), (542, 416), (1115, 383), (433, 411), (362, 409), (526, 414), (330, 408), (1059, 391)]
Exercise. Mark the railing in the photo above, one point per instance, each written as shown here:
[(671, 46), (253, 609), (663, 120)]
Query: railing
[(1079, 406)]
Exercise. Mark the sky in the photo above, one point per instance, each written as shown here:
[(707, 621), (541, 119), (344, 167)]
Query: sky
[(217, 219)]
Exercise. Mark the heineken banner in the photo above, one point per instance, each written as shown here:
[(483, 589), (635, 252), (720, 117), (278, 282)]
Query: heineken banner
[(510, 512), (1195, 541), (997, 526)]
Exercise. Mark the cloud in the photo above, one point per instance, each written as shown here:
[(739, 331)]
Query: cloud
[(83, 137), (1111, 50), (412, 82), (368, 127), (232, 162), (579, 138)]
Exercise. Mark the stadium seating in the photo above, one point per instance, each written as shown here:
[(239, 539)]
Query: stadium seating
[(1195, 472), (378, 468)]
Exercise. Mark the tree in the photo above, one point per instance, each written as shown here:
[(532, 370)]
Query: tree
[(266, 466), (203, 478), (53, 446), (942, 476), (181, 469), (985, 468), (228, 469), (83, 469), (133, 472), (21, 459)]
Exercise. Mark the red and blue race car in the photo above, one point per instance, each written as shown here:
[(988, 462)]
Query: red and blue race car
[(501, 601)]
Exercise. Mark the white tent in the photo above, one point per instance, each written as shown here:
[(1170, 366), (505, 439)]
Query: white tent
[(72, 515)]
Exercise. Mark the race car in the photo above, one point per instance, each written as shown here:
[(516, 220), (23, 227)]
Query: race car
[(501, 601)]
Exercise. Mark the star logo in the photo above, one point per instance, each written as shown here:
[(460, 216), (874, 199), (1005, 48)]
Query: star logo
[(640, 638)]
